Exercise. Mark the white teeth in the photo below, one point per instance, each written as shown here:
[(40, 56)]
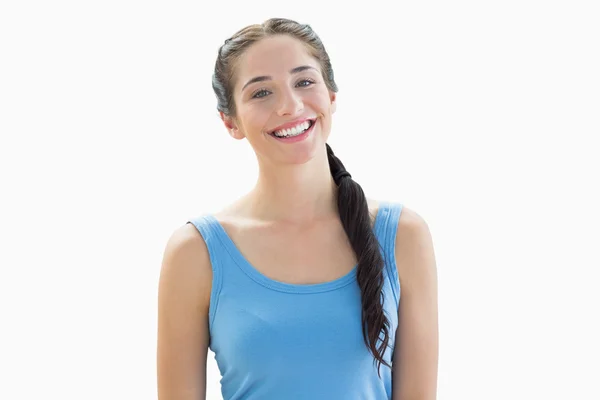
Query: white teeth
[(295, 131)]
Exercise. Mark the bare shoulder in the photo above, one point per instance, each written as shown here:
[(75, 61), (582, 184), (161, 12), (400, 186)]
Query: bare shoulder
[(186, 257), (417, 343), (415, 257), (183, 306), (186, 269), (411, 222)]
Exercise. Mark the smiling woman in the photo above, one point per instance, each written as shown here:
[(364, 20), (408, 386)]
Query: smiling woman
[(304, 288)]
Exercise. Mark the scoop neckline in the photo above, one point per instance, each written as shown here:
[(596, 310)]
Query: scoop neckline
[(252, 272)]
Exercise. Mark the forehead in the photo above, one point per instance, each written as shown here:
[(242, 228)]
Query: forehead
[(273, 56)]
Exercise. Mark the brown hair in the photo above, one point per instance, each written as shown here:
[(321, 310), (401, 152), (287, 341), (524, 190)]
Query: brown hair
[(352, 203)]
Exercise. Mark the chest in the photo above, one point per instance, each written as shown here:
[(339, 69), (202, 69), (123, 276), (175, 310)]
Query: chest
[(309, 255), (276, 340)]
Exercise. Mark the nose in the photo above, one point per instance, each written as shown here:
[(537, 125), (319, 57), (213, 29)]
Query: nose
[(289, 103)]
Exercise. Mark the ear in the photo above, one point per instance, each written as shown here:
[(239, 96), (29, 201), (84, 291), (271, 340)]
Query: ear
[(232, 126), (332, 98)]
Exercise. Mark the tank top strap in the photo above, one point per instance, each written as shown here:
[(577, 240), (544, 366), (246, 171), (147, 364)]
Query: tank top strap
[(208, 226), (386, 228)]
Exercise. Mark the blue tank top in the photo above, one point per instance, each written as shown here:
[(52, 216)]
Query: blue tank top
[(274, 340)]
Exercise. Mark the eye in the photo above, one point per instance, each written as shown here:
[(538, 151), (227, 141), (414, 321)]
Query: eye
[(305, 82), (260, 93), (264, 92)]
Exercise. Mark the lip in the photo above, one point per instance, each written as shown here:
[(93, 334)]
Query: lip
[(291, 124), (295, 139)]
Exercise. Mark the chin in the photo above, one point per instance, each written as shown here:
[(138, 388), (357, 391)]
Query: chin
[(306, 151)]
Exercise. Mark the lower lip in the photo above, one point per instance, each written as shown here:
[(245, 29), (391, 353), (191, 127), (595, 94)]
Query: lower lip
[(298, 138)]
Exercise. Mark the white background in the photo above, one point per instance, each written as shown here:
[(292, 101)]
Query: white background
[(481, 116)]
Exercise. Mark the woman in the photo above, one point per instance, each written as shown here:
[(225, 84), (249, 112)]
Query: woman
[(296, 286)]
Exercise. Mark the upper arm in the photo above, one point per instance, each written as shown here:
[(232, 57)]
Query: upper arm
[(415, 367), (183, 303)]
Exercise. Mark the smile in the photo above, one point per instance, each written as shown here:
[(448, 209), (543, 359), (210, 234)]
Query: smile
[(295, 130), (295, 133)]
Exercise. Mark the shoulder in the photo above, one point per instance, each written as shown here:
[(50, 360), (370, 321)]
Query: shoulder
[(411, 223), (183, 334), (416, 345), (184, 242), (186, 263), (414, 251)]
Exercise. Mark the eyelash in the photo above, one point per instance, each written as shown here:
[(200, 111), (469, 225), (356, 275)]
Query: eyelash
[(254, 95)]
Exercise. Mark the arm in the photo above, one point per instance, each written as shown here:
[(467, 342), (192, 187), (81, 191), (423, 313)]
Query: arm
[(415, 367), (183, 301)]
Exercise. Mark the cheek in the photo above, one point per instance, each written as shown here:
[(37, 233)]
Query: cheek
[(256, 119), (318, 101)]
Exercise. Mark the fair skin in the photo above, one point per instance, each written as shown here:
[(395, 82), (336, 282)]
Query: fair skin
[(293, 201), (415, 368), (294, 183)]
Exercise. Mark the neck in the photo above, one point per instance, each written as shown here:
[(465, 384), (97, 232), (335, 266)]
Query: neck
[(297, 194)]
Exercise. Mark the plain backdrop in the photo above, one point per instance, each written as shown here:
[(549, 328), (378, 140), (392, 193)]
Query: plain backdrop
[(481, 116)]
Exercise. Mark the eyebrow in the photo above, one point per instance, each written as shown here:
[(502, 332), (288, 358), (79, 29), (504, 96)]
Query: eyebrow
[(266, 78)]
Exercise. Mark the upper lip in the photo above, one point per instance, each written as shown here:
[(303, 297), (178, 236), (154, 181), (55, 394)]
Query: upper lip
[(290, 124)]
